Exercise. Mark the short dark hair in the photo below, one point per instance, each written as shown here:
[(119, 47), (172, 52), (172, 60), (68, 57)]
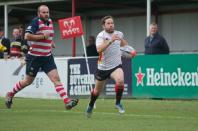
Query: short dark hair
[(153, 24), (104, 19)]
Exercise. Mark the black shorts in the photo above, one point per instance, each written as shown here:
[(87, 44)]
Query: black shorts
[(36, 63), (105, 74)]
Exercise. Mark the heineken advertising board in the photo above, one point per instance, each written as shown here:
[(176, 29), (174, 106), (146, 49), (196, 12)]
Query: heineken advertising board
[(80, 83), (165, 76)]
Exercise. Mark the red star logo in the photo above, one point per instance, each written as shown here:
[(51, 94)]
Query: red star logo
[(139, 77)]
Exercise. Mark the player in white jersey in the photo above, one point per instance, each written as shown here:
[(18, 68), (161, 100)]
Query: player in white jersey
[(108, 43)]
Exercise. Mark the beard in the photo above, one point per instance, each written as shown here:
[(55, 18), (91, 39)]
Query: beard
[(110, 31), (44, 18)]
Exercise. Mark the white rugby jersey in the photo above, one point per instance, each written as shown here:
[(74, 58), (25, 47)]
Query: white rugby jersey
[(111, 56)]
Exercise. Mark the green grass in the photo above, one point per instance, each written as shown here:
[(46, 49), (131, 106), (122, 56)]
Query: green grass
[(141, 115)]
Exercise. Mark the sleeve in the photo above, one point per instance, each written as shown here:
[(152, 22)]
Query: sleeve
[(121, 35), (33, 27), (99, 40)]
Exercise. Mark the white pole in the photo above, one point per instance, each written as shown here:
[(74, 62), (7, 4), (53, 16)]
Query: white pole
[(148, 22), (6, 20), (86, 59)]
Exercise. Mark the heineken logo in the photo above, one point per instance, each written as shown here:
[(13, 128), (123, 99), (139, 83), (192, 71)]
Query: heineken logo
[(153, 77), (140, 77)]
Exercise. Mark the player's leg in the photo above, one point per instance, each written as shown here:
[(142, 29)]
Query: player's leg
[(17, 87), (32, 67), (94, 95), (49, 67), (118, 76), (54, 77), (96, 91)]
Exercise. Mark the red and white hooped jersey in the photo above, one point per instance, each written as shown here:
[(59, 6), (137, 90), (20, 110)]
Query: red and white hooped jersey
[(41, 47)]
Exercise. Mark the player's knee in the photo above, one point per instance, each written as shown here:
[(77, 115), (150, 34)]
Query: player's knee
[(95, 92), (119, 82)]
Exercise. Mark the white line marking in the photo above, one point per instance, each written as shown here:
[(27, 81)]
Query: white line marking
[(101, 113)]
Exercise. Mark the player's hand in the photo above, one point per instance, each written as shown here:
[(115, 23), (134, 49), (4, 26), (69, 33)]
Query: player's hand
[(53, 44), (115, 37), (46, 35)]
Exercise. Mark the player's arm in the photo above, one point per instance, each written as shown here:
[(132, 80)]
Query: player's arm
[(106, 43), (123, 42), (103, 45), (30, 33), (34, 37)]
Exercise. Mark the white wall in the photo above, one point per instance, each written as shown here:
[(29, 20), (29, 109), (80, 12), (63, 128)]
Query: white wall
[(180, 30), (42, 87)]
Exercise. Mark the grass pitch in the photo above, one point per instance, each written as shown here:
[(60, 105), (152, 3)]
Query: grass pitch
[(141, 115)]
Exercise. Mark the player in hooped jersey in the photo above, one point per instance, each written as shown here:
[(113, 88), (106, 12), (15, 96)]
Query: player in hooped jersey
[(40, 35), (108, 43)]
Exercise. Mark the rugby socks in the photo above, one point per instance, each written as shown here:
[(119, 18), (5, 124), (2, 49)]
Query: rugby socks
[(94, 97), (61, 91), (119, 91), (17, 87)]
